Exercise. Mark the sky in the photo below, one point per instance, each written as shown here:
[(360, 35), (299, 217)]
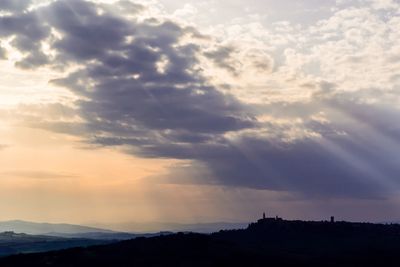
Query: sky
[(199, 111)]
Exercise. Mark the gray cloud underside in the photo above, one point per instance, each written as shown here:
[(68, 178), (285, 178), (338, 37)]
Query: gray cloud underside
[(14, 5), (175, 112), (344, 161), (3, 54)]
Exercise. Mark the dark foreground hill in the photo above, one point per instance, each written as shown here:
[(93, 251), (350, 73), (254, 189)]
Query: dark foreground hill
[(269, 242)]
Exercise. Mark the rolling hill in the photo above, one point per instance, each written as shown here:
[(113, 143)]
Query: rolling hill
[(16, 243), (269, 242)]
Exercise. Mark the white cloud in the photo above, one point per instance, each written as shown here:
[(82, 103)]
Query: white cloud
[(384, 4)]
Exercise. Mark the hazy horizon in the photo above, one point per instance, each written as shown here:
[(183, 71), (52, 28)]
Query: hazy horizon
[(41, 227)]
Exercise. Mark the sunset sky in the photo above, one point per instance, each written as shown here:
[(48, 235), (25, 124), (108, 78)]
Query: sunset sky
[(199, 111)]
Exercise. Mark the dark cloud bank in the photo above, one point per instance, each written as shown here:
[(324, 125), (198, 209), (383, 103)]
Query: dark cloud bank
[(142, 88)]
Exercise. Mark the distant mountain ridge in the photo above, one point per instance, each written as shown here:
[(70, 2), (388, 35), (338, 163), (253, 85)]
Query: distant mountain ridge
[(151, 227), (69, 231), (34, 228), (73, 230)]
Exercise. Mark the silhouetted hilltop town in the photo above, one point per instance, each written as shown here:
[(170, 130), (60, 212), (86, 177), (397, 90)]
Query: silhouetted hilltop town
[(276, 219), (281, 226), (267, 242)]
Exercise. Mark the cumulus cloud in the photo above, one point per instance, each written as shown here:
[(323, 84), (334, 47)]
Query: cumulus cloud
[(222, 56), (141, 86), (239, 61)]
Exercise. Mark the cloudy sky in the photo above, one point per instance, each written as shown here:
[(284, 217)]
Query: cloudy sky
[(199, 111)]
